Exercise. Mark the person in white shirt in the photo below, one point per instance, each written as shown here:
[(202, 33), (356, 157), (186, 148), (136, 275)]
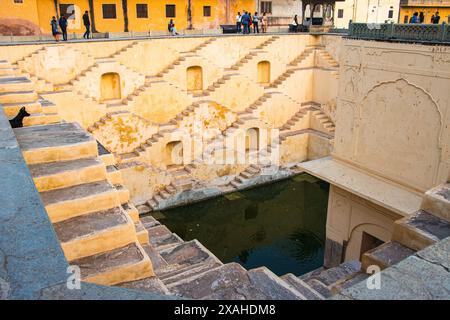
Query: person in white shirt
[(238, 22)]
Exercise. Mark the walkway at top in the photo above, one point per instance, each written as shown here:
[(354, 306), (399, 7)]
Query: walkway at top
[(27, 40)]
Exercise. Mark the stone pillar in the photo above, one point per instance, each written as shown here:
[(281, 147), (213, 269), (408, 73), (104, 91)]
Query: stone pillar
[(334, 253)]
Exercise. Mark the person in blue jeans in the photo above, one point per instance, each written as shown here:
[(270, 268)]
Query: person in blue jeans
[(246, 22)]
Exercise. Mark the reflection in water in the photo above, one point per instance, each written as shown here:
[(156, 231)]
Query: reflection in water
[(281, 225)]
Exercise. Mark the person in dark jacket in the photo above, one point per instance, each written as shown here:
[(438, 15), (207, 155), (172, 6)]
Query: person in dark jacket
[(87, 25), (63, 26)]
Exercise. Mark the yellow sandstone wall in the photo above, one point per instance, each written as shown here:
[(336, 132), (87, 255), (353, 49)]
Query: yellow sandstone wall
[(133, 95)]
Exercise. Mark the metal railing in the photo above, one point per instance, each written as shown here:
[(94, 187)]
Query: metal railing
[(426, 33)]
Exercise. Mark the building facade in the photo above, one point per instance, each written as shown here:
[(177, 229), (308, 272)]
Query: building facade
[(32, 17), (365, 11), (428, 7)]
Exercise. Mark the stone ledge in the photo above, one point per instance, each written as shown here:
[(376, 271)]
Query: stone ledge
[(363, 185)]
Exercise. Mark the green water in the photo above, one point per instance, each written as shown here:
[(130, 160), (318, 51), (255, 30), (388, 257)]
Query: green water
[(280, 226)]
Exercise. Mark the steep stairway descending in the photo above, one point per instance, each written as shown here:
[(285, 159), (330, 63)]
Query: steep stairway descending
[(293, 120), (241, 179), (250, 55), (293, 66), (328, 58), (327, 282), (255, 104), (164, 128), (181, 181), (103, 120), (128, 47), (182, 57), (93, 218), (17, 92), (324, 120), (267, 42)]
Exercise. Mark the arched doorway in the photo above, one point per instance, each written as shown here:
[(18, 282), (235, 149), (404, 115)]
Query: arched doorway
[(251, 145), (264, 72), (110, 86), (174, 153), (194, 78)]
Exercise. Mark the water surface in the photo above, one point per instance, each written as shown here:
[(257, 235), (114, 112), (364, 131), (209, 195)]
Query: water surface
[(280, 225)]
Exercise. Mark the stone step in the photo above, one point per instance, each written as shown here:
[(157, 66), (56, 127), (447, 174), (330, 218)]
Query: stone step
[(185, 260), (349, 282), (66, 203), (123, 193), (125, 264), (182, 184), (329, 276), (18, 96), (302, 287), (272, 286), (162, 238), (437, 201), (320, 287), (55, 142), (41, 119), (94, 233), (420, 230), (149, 222), (131, 210), (228, 282), (13, 84), (12, 109), (158, 262), (8, 71), (385, 255), (63, 174), (150, 284), (114, 176), (141, 233)]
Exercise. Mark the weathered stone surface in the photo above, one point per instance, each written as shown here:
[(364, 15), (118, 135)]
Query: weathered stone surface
[(302, 287), (333, 253), (412, 279), (150, 284), (320, 287), (148, 221), (335, 274), (120, 265), (438, 253), (187, 253), (157, 261), (55, 135), (90, 291), (437, 201), (386, 255), (420, 230), (272, 286), (229, 281)]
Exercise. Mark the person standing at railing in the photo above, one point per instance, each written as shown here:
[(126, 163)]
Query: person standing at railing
[(238, 22), (437, 17), (87, 25), (255, 23), (63, 26), (264, 23), (246, 22), (414, 18), (421, 17), (55, 31)]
